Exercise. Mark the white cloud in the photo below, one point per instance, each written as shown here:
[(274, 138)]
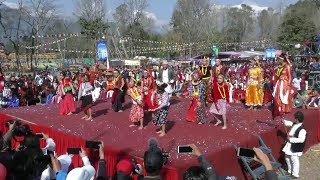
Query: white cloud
[(11, 5), (153, 16)]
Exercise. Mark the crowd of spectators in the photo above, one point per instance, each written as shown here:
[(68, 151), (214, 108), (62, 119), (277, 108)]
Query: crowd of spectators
[(25, 90), (29, 161)]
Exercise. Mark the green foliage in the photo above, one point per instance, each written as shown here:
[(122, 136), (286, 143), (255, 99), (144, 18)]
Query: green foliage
[(239, 23), (93, 28), (297, 25)]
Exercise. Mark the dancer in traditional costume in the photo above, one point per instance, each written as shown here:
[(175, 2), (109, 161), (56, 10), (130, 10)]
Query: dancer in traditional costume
[(148, 87), (221, 99), (205, 71), (161, 114), (119, 92), (136, 112), (217, 69), (282, 91), (196, 111), (85, 95), (254, 91), (66, 90)]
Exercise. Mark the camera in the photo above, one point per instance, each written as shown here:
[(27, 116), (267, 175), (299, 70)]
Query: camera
[(19, 129), (165, 156)]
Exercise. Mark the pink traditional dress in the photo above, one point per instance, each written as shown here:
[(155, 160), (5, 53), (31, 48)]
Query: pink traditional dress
[(136, 112)]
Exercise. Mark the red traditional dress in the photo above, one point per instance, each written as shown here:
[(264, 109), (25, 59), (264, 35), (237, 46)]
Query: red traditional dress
[(282, 91), (195, 112), (148, 86), (1, 83), (67, 104), (221, 99), (136, 112)]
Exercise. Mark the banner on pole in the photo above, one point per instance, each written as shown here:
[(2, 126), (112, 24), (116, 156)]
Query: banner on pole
[(102, 51)]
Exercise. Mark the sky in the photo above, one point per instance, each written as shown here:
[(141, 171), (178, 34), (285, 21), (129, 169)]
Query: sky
[(162, 10)]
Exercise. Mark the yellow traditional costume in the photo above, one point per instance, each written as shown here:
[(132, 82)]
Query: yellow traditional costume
[(254, 91)]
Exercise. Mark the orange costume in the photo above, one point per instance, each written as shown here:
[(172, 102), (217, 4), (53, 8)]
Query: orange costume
[(282, 91), (254, 91)]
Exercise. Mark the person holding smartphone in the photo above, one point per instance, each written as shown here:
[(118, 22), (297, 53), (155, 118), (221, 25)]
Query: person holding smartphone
[(205, 171)]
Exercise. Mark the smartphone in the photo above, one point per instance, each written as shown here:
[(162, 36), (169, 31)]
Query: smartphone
[(39, 135), (246, 152), (93, 144), (184, 149), (50, 152), (73, 150)]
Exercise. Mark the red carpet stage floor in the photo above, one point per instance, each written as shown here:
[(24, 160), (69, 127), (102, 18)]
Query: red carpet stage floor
[(113, 129)]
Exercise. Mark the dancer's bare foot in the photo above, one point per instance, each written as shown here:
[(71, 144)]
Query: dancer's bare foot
[(120, 111), (250, 108), (255, 109), (140, 128), (200, 123), (132, 125), (84, 117), (89, 119), (224, 127), (70, 113), (162, 134), (217, 123), (158, 132)]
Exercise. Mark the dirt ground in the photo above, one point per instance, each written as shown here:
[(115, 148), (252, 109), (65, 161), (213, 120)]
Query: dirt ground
[(310, 164)]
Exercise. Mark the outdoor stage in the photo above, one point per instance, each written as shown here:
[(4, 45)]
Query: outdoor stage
[(113, 129)]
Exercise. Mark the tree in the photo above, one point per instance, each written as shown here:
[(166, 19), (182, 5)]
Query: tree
[(265, 21), (39, 15), (91, 14), (133, 21), (297, 25), (192, 21), (239, 23), (10, 23)]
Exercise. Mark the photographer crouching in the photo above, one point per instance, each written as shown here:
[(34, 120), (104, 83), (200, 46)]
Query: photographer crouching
[(28, 159)]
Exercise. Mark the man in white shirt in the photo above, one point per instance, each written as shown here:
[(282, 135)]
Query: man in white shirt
[(295, 143), (296, 82), (166, 75)]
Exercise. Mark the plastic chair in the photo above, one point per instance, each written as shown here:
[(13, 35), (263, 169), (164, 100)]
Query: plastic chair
[(14, 102), (258, 171), (49, 99)]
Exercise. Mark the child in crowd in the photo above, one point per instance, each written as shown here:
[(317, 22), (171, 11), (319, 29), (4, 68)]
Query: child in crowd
[(85, 95), (162, 110), (136, 112), (221, 99), (196, 111)]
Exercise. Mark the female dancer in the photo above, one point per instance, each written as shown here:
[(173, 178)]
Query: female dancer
[(65, 89), (221, 98), (206, 78), (254, 91), (148, 87), (196, 111), (282, 91), (162, 111), (85, 95), (136, 112), (119, 92)]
